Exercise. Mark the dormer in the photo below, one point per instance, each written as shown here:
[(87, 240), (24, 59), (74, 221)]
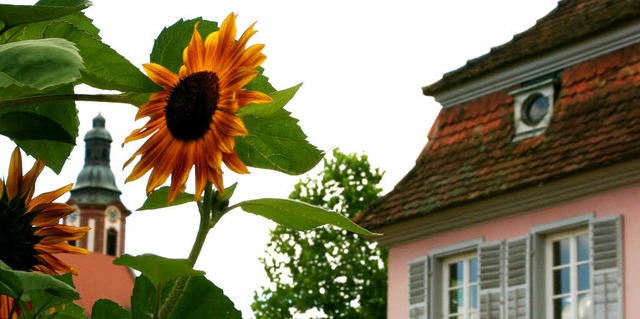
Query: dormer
[(533, 109)]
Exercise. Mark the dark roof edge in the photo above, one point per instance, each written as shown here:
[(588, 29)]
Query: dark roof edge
[(590, 48)]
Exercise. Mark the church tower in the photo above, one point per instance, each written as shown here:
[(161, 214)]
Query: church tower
[(97, 198)]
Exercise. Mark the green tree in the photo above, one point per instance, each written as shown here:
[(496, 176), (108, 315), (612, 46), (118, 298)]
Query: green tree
[(337, 273)]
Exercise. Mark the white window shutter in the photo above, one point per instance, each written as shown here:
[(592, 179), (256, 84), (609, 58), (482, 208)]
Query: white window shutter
[(418, 288), (491, 256), (517, 278), (606, 239)]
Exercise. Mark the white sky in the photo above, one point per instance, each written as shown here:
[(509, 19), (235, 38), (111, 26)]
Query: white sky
[(363, 64)]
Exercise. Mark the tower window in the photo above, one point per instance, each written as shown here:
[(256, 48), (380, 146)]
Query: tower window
[(112, 242)]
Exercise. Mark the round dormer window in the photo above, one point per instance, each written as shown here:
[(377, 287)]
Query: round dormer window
[(534, 109)]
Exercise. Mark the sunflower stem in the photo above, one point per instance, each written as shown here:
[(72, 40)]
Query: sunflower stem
[(206, 209), (203, 229), (112, 98)]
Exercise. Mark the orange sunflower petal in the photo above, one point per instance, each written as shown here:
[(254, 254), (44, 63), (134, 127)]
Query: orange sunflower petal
[(59, 233), (50, 214), (61, 248), (193, 54), (52, 265), (234, 163), (160, 75), (49, 197), (28, 185), (15, 174), (246, 97)]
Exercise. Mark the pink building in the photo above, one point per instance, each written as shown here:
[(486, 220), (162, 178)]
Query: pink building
[(525, 202)]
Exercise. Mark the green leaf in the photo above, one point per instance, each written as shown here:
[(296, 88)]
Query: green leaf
[(298, 215), (107, 309), (280, 99), (15, 283), (13, 15), (278, 143), (143, 298), (160, 197), (202, 299), (29, 126), (104, 67), (260, 83), (228, 192), (38, 65), (69, 310), (158, 269), (64, 307), (168, 47), (64, 113)]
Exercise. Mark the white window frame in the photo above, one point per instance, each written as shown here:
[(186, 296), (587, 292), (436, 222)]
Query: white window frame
[(572, 235), (467, 313), (523, 130)]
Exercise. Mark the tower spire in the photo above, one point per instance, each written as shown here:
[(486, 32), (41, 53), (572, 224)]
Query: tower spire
[(96, 196)]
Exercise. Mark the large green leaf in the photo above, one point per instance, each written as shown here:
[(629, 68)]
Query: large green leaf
[(202, 299), (38, 65), (65, 114), (299, 215), (168, 47), (13, 15), (159, 270), (104, 67), (29, 126), (160, 197), (15, 283), (278, 143), (107, 309)]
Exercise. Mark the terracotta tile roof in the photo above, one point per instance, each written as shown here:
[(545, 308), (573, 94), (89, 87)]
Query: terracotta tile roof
[(568, 23), (470, 154), (99, 278)]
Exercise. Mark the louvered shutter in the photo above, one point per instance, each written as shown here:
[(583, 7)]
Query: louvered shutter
[(418, 288), (517, 279), (606, 239), (491, 274)]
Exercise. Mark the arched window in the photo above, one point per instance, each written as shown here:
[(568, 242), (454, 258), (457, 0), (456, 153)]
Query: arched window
[(112, 242)]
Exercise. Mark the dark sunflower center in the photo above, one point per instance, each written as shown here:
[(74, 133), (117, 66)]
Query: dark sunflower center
[(191, 105), (16, 236)]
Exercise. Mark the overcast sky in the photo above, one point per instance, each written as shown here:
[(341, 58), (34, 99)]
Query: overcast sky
[(363, 64)]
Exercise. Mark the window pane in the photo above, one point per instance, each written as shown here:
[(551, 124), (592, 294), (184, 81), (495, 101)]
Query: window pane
[(561, 252), (473, 270), (562, 308), (456, 303), (583, 277), (561, 281), (584, 306), (473, 295), (456, 274), (583, 247)]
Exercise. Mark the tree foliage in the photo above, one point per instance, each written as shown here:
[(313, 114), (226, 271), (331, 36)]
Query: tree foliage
[(337, 273)]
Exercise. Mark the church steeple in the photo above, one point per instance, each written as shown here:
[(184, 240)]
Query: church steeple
[(96, 196)]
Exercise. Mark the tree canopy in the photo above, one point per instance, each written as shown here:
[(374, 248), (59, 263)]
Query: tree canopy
[(333, 272)]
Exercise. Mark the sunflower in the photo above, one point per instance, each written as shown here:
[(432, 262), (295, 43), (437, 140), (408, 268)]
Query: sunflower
[(30, 232), (193, 119)]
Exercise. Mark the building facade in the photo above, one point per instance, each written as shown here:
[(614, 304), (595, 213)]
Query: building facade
[(525, 202)]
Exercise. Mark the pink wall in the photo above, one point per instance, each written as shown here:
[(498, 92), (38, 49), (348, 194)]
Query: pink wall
[(625, 202)]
